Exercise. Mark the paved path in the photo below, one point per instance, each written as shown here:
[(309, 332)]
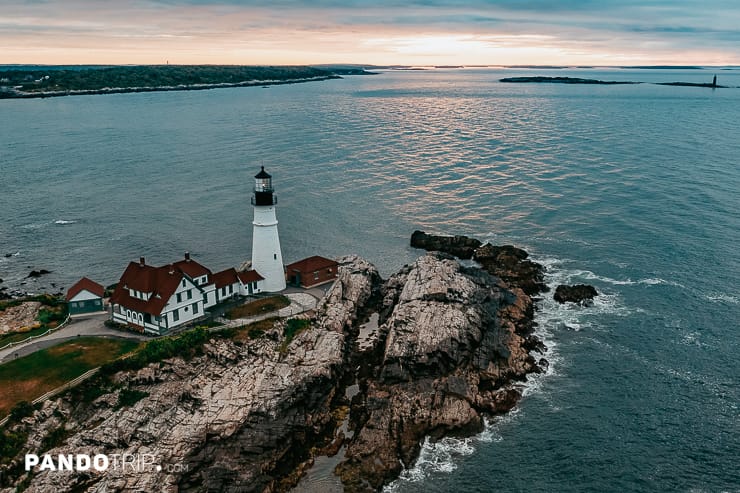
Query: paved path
[(91, 325)]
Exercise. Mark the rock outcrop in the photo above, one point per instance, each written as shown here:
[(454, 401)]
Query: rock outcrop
[(459, 246), (578, 293), (450, 345)]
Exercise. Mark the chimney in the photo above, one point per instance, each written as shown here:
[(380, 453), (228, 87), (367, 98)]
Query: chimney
[(187, 256), (141, 261), (172, 269)]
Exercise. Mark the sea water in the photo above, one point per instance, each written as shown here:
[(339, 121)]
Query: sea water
[(632, 188)]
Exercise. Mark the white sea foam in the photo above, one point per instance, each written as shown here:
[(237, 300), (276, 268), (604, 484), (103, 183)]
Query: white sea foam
[(723, 298), (64, 221)]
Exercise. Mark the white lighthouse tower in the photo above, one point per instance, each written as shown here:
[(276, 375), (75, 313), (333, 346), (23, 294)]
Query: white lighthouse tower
[(267, 259)]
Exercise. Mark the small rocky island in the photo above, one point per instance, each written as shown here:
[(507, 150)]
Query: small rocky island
[(378, 367), (563, 80)]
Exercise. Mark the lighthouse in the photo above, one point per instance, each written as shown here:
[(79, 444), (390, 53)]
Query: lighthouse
[(267, 258)]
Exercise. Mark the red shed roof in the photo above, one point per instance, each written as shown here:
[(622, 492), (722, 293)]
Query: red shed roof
[(312, 264), (85, 284)]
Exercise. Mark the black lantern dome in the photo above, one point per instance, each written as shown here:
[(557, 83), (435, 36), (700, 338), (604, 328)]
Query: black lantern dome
[(263, 191)]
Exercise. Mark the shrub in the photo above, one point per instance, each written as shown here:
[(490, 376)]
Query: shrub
[(129, 397)]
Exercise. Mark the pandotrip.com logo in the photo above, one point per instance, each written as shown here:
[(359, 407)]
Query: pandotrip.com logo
[(136, 463)]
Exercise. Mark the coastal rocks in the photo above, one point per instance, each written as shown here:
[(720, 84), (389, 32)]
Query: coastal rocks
[(38, 273), (513, 267), (507, 262), (19, 318), (578, 293), (451, 355), (460, 246)]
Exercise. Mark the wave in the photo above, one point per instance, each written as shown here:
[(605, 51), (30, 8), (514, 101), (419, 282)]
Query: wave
[(723, 298), (64, 221), (587, 274)]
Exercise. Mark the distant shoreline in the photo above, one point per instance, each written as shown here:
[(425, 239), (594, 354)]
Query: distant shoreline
[(16, 94), (51, 82)]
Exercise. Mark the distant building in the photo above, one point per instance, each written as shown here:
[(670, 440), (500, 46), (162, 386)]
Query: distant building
[(311, 271), (156, 300), (85, 296)]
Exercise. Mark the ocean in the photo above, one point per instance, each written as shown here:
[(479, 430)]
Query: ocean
[(632, 188)]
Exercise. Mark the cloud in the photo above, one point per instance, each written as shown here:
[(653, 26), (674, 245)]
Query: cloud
[(584, 31)]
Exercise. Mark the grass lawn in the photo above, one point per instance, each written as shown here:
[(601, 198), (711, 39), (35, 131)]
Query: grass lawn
[(259, 307), (31, 376)]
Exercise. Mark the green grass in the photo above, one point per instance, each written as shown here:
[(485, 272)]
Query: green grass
[(293, 327), (31, 376), (259, 307), (20, 336)]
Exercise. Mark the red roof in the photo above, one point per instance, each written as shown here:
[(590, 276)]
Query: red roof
[(312, 264), (162, 282), (248, 276), (85, 284), (225, 277), (192, 268)]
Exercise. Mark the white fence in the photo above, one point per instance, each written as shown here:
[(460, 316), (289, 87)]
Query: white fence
[(31, 338)]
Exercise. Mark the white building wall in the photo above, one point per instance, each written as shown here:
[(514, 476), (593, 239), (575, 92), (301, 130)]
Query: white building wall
[(267, 258), (184, 307), (209, 290)]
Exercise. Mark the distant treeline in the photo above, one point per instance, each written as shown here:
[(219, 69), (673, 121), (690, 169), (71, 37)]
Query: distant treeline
[(149, 76)]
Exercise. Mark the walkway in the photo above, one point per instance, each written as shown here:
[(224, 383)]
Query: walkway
[(91, 325)]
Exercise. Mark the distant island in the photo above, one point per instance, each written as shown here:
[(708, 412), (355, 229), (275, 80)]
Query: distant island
[(40, 82), (576, 80), (564, 80)]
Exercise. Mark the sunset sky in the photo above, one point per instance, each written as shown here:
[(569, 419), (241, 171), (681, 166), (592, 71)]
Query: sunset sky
[(420, 32)]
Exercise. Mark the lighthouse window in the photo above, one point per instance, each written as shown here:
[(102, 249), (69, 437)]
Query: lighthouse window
[(274, 256)]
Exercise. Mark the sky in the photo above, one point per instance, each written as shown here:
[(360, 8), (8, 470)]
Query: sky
[(381, 32)]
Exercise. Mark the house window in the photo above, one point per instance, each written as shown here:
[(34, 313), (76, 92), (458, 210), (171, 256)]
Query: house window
[(183, 283), (205, 298), (176, 315), (195, 307), (223, 291), (231, 288), (190, 294), (128, 314), (316, 275), (186, 308), (179, 297)]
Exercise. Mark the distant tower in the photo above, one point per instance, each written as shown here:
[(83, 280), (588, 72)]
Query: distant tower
[(267, 259)]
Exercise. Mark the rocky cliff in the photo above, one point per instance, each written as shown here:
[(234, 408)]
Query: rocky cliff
[(249, 413)]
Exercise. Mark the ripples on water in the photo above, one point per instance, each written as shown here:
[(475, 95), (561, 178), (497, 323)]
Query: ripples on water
[(631, 188)]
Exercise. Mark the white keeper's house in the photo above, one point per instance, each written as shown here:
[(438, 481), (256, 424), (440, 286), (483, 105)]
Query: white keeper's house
[(155, 300)]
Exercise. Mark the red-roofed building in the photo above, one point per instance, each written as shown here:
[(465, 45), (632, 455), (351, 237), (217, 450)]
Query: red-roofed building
[(157, 299), (311, 271), (85, 296), (250, 282)]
